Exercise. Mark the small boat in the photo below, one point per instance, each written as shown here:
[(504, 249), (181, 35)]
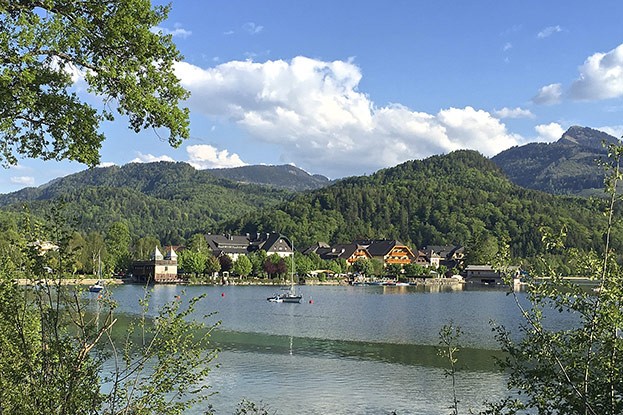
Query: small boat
[(97, 287), (275, 299), (290, 295)]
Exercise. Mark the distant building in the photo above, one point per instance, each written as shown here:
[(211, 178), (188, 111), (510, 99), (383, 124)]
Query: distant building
[(388, 251), (236, 245), (159, 268), (486, 274)]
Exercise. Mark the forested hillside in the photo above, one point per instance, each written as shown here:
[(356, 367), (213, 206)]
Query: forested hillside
[(167, 200), (284, 176), (567, 166), (459, 198)]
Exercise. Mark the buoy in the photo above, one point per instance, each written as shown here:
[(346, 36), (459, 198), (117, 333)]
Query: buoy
[(311, 301), (222, 294)]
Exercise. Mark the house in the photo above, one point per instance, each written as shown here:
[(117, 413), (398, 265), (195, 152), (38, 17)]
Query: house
[(236, 245), (349, 252), (230, 245), (388, 251), (486, 274), (159, 268), (450, 256)]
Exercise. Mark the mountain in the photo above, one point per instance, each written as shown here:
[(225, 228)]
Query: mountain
[(461, 198), (284, 176), (567, 166), (169, 200)]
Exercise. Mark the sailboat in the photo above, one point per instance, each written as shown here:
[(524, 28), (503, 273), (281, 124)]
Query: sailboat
[(290, 295), (99, 285)]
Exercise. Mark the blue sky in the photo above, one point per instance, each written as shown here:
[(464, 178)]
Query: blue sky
[(347, 87)]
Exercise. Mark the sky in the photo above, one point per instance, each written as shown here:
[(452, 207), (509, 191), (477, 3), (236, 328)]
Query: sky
[(343, 88)]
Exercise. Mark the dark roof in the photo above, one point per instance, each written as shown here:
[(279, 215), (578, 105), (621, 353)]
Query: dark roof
[(444, 251), (336, 251), (379, 247)]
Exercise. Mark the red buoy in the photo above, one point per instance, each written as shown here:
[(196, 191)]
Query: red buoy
[(222, 294), (311, 301)]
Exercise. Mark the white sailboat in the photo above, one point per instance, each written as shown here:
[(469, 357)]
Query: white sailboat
[(290, 295)]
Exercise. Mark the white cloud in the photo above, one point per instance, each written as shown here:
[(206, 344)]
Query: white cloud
[(513, 113), (23, 180), (548, 31), (314, 111), (107, 164), (204, 156), (150, 158), (549, 94), (549, 132), (613, 130), (177, 32), (507, 46), (601, 76), (252, 28)]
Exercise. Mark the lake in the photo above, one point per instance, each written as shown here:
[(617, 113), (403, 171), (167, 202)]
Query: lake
[(351, 350)]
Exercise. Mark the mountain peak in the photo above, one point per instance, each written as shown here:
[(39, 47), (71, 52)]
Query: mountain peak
[(587, 137)]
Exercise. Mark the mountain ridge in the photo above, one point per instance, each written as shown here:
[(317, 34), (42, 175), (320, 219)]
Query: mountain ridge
[(569, 165)]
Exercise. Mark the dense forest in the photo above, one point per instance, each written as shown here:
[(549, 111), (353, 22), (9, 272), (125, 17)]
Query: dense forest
[(567, 166), (168, 200), (460, 198)]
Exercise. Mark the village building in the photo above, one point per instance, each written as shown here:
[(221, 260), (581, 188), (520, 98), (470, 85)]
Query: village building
[(349, 252), (388, 251), (450, 256), (236, 245), (159, 268), (486, 274)]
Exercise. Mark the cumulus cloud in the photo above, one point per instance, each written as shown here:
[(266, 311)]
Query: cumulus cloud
[(314, 111), (548, 31), (613, 130), (23, 180), (204, 156), (150, 158), (549, 132), (549, 94), (513, 113), (178, 31), (601, 76)]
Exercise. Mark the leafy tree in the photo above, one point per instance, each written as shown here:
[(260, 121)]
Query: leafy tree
[(394, 269), (377, 267), (302, 263), (415, 270), (242, 266), (335, 266), (144, 248), (118, 241), (212, 264), (226, 263), (258, 258), (53, 353), (576, 370), (198, 243), (363, 266), (192, 262), (112, 47)]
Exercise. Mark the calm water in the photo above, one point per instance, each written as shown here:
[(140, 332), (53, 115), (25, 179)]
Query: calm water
[(354, 350)]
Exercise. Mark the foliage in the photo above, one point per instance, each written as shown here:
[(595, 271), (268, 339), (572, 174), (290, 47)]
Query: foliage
[(142, 195), (576, 370), (111, 46), (54, 344), (242, 266), (566, 166), (448, 348), (363, 266), (458, 198)]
